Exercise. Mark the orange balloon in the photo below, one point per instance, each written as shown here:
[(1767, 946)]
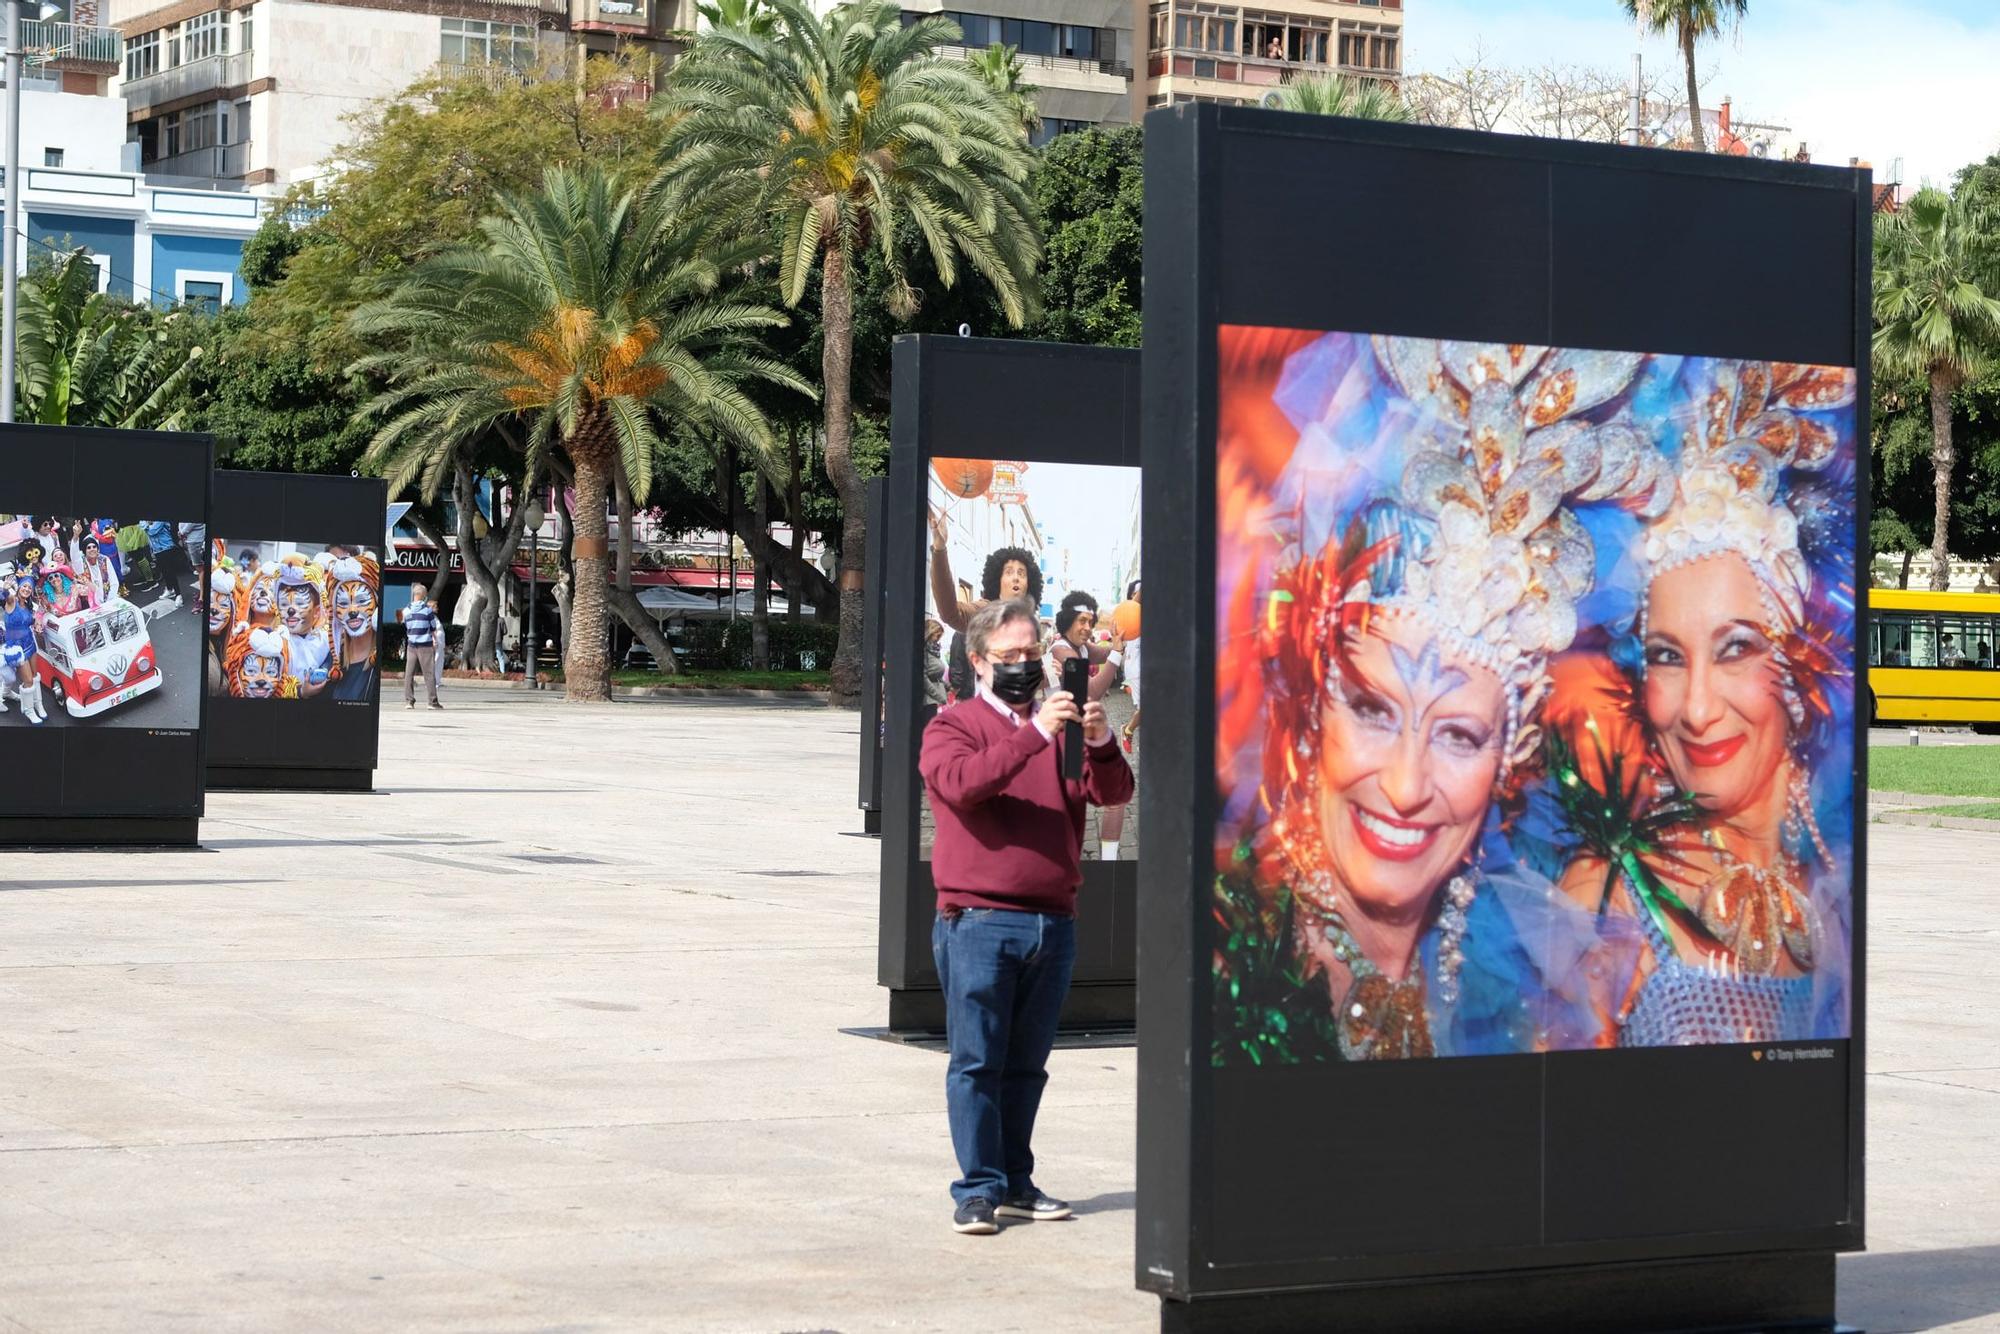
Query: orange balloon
[(964, 478), (1125, 616)]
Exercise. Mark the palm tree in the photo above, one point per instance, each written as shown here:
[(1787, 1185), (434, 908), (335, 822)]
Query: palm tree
[(822, 138), (1937, 276), (1688, 21), (87, 358), (584, 314), (1335, 95), (1000, 66)]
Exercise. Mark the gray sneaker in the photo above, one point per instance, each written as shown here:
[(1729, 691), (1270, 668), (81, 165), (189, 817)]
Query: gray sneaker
[(1034, 1206), (975, 1217)]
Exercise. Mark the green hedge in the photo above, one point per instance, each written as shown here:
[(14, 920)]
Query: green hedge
[(796, 646)]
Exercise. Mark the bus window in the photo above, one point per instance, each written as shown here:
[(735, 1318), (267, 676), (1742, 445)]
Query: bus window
[(1966, 641), (1923, 642), (1889, 639)]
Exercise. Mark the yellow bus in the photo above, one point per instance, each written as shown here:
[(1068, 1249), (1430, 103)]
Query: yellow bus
[(1931, 657)]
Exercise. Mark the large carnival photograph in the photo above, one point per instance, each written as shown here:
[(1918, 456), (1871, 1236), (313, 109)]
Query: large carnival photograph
[(1534, 699), (100, 622), (294, 621)]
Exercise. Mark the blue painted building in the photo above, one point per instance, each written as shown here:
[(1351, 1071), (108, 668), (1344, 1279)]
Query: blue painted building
[(167, 246)]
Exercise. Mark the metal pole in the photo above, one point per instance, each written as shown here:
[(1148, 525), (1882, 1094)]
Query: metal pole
[(16, 71), (1635, 126), (534, 641)]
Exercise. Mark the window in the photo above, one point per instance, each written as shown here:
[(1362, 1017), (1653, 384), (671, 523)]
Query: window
[(1080, 43), (209, 292), (1205, 28), (1051, 127), (52, 157), (1162, 24), (103, 264), (202, 37), (142, 56), (478, 42), (244, 32)]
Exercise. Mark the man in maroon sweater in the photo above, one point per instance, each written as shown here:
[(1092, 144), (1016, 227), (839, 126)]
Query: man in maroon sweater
[(1007, 861)]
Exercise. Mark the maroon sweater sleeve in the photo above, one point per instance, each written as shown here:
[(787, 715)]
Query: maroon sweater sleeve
[(1107, 778), (961, 771)]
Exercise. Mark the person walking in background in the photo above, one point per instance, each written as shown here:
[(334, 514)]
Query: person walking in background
[(1007, 863), (421, 633)]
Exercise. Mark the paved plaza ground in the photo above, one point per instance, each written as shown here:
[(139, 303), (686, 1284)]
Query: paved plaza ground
[(543, 1036)]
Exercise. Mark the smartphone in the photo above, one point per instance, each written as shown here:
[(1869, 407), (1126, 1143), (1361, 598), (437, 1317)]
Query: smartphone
[(1075, 680)]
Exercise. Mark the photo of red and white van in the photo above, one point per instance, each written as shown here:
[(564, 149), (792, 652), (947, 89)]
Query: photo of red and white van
[(97, 658)]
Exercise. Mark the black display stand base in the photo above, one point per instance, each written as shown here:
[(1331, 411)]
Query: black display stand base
[(1107, 1010), (1746, 1294), (871, 822), (251, 778), (100, 832)]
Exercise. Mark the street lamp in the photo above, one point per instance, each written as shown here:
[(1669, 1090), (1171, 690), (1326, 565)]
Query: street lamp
[(16, 71), (533, 517)]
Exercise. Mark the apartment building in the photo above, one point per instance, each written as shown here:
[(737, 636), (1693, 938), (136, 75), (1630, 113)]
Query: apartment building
[(257, 92), (1207, 51), (82, 188), (1079, 55)]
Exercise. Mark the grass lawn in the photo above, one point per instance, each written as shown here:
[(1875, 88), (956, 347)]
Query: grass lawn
[(1980, 810), (1944, 771), (718, 680)]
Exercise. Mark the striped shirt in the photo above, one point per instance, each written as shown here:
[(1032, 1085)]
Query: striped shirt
[(420, 624)]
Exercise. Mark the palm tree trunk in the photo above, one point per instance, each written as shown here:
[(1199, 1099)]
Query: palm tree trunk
[(795, 507), (836, 371), (585, 661), (760, 575), (1694, 90), (1942, 459)]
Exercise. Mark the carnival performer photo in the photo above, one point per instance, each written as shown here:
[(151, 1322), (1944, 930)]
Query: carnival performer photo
[(1011, 574), (107, 651), (322, 600), (1451, 822)]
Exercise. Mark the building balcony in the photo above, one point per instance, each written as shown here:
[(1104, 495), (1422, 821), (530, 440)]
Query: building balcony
[(1256, 71), (1058, 71), (219, 162), (70, 45), (207, 75)]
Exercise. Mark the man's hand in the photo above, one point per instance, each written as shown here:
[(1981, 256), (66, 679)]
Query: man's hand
[(1096, 727), (1057, 710), (940, 531)]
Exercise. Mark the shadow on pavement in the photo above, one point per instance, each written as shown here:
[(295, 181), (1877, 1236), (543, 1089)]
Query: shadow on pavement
[(1900, 1292)]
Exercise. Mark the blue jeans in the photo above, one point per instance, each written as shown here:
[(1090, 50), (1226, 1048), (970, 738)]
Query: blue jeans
[(1005, 977)]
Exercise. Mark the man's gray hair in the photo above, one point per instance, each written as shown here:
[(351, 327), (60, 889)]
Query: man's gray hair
[(989, 620)]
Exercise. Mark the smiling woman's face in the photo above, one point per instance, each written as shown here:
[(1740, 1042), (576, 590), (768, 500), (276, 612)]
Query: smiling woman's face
[(1408, 759), (1713, 696)]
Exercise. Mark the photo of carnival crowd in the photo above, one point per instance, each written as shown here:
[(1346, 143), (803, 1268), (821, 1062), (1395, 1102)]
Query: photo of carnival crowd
[(1534, 699), (1104, 631), (294, 621), (86, 607)]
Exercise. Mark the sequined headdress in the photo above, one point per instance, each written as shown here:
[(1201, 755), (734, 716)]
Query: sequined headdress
[(1481, 543), (1748, 432)]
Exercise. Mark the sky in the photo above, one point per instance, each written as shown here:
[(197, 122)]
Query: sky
[(1912, 79), (1085, 515)]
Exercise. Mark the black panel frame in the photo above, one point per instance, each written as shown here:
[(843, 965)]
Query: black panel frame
[(151, 474), (990, 399), (870, 796), (262, 744), (1450, 234)]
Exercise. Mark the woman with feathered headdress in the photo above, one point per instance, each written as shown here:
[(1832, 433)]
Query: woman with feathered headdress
[(1425, 554), (1741, 693)]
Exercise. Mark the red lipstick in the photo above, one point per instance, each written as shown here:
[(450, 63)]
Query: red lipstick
[(1715, 752), (1392, 839)]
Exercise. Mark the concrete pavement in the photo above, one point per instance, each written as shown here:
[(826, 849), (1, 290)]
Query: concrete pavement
[(544, 1037)]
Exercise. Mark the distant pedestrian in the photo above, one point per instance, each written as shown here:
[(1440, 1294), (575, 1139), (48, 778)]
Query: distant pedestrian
[(1007, 863), (422, 634)]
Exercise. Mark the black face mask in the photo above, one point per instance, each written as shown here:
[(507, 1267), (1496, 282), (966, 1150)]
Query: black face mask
[(1016, 682)]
